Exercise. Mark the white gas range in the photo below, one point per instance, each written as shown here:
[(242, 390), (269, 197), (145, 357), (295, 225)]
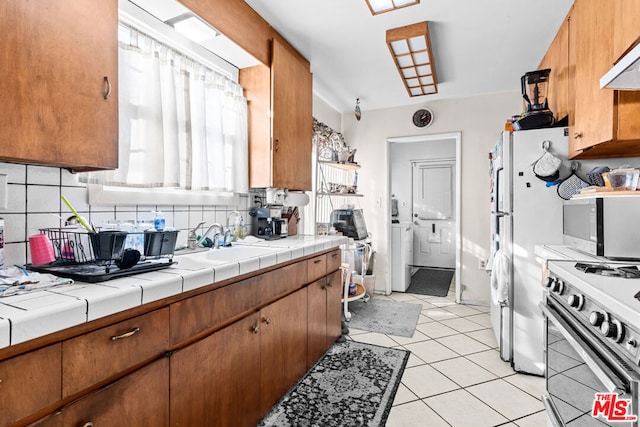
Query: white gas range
[(592, 343)]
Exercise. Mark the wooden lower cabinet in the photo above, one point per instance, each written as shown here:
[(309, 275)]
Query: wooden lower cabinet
[(214, 381), (220, 358), (283, 343), (30, 382), (334, 308), (140, 399), (325, 317)]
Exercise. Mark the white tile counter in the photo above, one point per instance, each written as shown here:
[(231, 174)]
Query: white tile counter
[(32, 315)]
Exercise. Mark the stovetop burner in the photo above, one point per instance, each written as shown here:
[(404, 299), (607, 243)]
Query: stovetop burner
[(625, 272)]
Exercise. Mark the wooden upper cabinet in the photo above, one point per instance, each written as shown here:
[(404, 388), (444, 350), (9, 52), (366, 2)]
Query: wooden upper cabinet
[(626, 28), (280, 120), (58, 56), (291, 93), (557, 59), (606, 122)]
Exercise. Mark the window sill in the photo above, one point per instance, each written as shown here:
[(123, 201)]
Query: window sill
[(106, 195)]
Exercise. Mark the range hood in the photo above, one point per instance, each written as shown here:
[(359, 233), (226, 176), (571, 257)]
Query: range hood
[(625, 75)]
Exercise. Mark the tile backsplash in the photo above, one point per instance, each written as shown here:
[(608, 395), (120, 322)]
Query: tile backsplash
[(33, 203)]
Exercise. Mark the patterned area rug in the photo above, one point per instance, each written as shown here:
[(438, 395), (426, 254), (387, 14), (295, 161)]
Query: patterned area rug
[(385, 317), (353, 384)]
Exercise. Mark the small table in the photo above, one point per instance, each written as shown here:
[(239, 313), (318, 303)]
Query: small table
[(346, 298)]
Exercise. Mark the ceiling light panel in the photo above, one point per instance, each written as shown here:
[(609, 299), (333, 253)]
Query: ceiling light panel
[(410, 48), (382, 6)]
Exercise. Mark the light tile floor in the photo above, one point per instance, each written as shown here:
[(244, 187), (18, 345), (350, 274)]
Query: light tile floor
[(454, 376)]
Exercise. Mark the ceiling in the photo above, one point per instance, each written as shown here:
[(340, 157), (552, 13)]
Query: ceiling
[(479, 47)]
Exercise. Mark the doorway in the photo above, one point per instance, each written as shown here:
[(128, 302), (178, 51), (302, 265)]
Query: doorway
[(433, 213), (429, 166)]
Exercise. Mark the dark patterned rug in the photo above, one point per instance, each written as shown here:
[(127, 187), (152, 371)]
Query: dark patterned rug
[(353, 384)]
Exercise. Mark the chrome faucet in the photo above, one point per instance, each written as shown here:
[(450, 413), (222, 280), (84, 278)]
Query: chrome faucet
[(232, 214), (215, 236)]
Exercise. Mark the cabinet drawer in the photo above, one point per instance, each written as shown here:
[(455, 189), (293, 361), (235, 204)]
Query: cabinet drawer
[(316, 268), (333, 260), (212, 309), (283, 280), (30, 382), (98, 355)]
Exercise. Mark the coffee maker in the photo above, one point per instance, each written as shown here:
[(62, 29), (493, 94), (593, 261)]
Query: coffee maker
[(534, 85), (262, 224)]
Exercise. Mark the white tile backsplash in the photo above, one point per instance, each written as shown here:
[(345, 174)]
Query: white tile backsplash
[(43, 198), (43, 175), (34, 203), (16, 174), (14, 227), (16, 198)]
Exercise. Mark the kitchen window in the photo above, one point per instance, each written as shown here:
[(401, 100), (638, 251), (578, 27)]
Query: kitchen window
[(182, 127)]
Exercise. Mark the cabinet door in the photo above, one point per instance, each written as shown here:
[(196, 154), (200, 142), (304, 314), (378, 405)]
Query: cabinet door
[(30, 382), (626, 28), (557, 58), (591, 39), (214, 382), (334, 307), (58, 56), (283, 347), (317, 323), (139, 399), (291, 93)]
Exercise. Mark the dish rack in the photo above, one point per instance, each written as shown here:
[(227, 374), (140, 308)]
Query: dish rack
[(104, 255)]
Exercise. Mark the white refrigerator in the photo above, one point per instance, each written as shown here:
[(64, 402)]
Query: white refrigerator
[(524, 212)]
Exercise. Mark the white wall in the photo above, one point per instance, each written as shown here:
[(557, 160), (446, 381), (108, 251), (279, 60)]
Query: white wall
[(480, 120)]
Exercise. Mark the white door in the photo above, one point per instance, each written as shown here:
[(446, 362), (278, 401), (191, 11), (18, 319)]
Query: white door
[(433, 214)]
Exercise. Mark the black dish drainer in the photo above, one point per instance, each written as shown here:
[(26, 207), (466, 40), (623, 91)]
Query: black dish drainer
[(96, 257)]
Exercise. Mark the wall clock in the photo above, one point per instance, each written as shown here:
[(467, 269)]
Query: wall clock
[(423, 117)]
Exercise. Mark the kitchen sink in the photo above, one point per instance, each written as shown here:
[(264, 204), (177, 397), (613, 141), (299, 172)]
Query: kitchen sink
[(232, 254)]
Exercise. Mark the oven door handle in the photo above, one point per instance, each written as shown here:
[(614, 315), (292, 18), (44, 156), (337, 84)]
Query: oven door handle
[(610, 381)]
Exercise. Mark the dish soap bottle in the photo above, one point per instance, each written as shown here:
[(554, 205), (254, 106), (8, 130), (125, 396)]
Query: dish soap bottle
[(158, 221), (238, 232)]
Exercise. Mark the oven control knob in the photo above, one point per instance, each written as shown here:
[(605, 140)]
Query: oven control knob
[(576, 301), (558, 287), (550, 282), (613, 329), (596, 318)]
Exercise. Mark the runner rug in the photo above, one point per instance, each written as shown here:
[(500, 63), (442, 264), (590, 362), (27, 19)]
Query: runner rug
[(353, 384)]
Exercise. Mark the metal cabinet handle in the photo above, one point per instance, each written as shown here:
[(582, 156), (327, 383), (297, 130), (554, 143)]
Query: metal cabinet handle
[(125, 335), (334, 255), (318, 261), (255, 329), (107, 83), (577, 135), (277, 145), (89, 424), (266, 320)]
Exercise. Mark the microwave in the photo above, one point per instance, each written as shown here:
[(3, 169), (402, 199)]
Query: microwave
[(603, 226)]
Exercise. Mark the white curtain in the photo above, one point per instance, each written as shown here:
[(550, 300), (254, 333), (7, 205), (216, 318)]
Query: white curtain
[(182, 125)]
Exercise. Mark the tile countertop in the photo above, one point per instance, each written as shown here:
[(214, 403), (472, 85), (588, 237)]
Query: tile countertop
[(32, 315)]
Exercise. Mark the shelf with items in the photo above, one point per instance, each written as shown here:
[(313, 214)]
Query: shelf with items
[(344, 166)]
